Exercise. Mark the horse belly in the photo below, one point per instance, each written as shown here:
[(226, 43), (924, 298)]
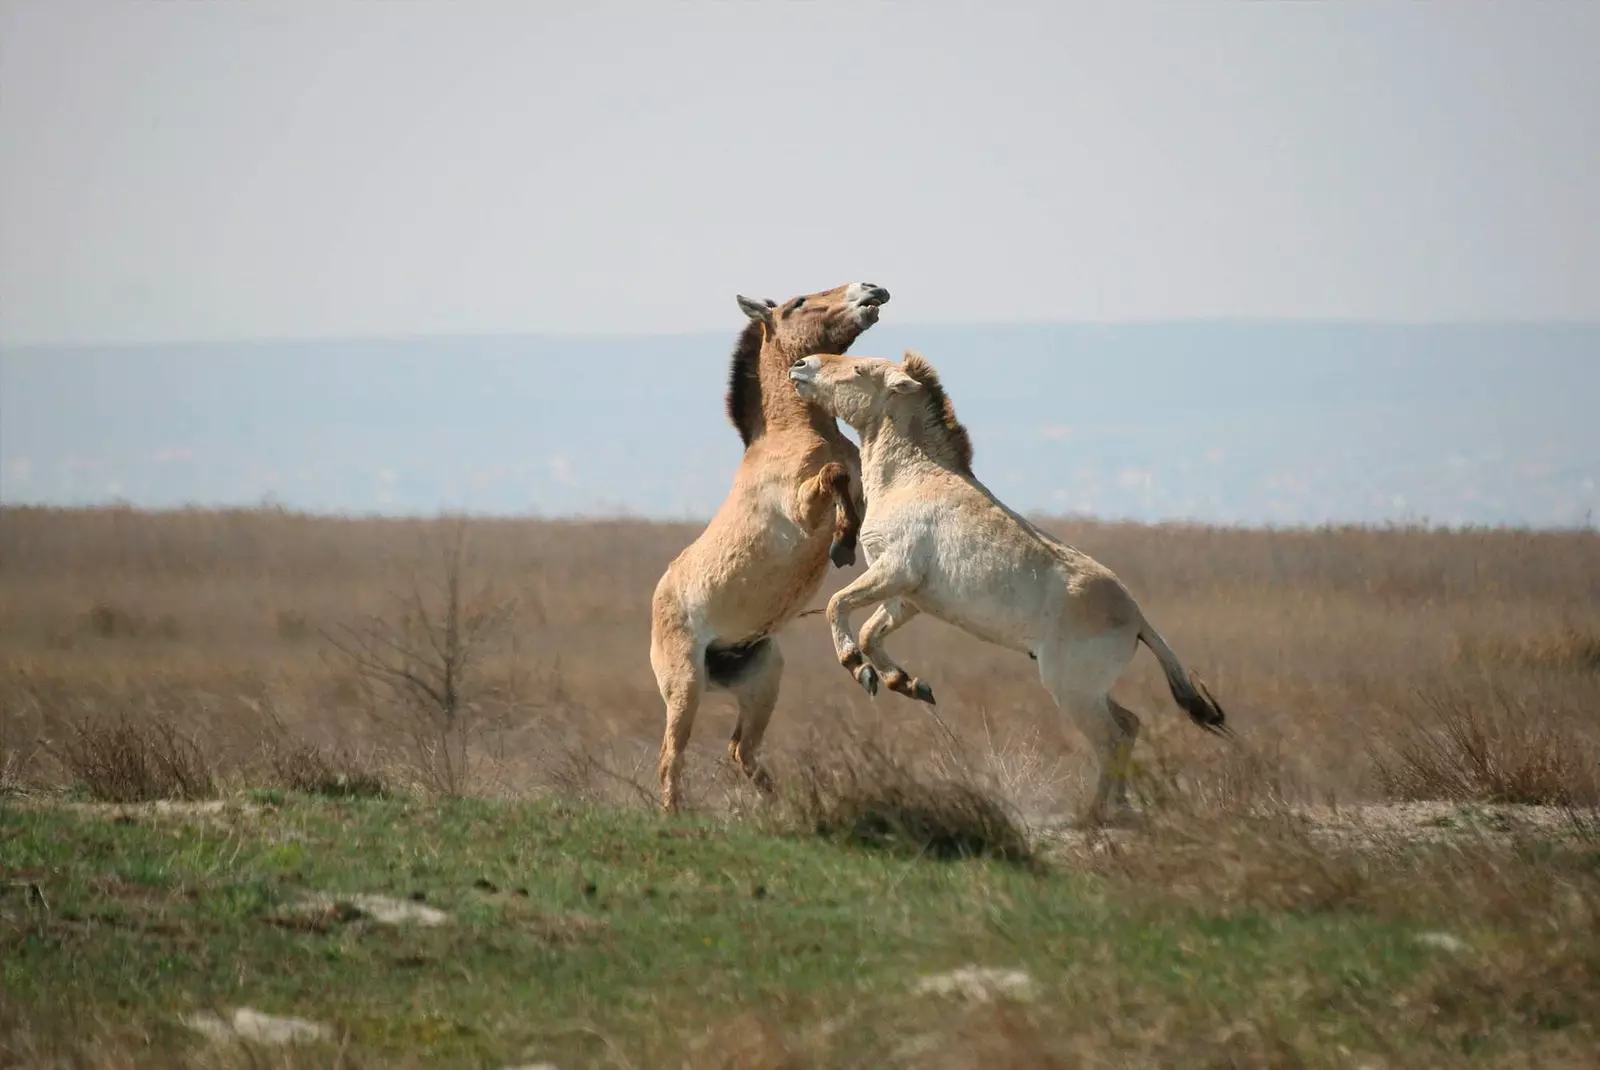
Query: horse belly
[(998, 607), (765, 586)]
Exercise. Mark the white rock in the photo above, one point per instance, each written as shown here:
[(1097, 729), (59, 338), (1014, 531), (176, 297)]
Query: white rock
[(980, 984), (380, 909), (248, 1024), (1443, 941)]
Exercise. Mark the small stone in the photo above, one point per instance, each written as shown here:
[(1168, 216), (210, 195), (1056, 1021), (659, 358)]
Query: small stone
[(1443, 941), (248, 1024), (979, 984)]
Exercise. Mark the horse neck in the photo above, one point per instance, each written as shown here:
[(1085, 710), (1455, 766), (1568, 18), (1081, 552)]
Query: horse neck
[(782, 407), (889, 447)]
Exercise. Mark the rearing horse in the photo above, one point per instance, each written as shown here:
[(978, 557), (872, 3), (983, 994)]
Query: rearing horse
[(796, 503)]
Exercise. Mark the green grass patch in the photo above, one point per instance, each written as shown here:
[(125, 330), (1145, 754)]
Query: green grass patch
[(597, 937)]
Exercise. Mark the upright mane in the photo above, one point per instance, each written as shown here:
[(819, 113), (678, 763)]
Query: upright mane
[(744, 384), (949, 437)]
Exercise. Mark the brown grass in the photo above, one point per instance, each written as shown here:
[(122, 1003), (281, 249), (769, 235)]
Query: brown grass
[(1494, 749), (855, 789), (1324, 645)]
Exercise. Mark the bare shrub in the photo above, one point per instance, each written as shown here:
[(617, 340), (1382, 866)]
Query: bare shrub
[(857, 791), (316, 770), (418, 672), (1499, 750), (129, 762)]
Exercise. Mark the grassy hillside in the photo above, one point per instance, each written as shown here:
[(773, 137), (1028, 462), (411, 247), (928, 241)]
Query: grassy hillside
[(601, 937)]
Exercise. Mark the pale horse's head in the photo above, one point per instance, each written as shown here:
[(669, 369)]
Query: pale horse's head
[(827, 322), (857, 390)]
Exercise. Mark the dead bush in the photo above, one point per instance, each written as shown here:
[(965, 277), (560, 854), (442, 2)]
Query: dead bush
[(131, 762), (420, 678), (1501, 750), (315, 770), (857, 792)]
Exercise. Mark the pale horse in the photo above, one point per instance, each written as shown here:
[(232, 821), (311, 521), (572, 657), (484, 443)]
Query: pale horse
[(937, 541)]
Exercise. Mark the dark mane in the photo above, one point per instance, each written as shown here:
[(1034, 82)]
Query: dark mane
[(744, 384), (941, 415)]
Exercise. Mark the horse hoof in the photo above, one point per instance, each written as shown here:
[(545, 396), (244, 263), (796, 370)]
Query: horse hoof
[(867, 677), (923, 693), (842, 555)]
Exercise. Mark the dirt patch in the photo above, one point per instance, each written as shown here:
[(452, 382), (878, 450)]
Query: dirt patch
[(1380, 825), (1367, 826)]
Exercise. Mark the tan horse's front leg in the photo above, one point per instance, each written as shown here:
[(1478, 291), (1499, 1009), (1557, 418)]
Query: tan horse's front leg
[(887, 618), (829, 490), (876, 584)]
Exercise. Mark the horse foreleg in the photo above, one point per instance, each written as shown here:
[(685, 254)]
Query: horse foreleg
[(846, 525), (877, 584), (829, 492), (887, 618)]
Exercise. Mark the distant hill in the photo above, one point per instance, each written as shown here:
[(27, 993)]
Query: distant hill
[(1284, 423)]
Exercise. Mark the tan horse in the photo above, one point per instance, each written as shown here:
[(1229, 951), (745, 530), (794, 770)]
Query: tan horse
[(939, 542), (795, 504)]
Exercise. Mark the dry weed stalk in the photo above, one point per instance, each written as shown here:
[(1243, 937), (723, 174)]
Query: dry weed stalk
[(419, 672)]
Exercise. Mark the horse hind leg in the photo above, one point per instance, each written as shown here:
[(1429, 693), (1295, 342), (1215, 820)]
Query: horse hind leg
[(889, 617), (1111, 730), (679, 666), (1128, 734), (1111, 738), (757, 693)]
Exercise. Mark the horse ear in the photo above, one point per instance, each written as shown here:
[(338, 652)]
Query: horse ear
[(760, 311), (899, 382)]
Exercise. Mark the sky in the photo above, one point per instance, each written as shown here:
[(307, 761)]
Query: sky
[(219, 173)]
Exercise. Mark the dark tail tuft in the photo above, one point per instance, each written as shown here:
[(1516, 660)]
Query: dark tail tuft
[(1188, 690), (1202, 707), (728, 665)]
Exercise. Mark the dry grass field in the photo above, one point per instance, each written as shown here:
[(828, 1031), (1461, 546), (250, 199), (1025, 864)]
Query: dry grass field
[(1419, 738), (1324, 646)]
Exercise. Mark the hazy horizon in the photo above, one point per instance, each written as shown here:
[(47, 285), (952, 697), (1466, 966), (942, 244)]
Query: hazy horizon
[(1284, 424)]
